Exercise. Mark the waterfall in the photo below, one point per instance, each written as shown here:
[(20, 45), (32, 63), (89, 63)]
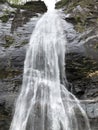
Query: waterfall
[(44, 102)]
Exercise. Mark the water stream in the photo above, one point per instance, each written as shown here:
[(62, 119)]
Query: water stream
[(44, 102)]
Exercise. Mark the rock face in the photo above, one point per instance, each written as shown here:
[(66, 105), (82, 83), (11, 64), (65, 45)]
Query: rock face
[(16, 26), (82, 62)]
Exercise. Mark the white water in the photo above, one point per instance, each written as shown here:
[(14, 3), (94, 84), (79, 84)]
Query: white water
[(44, 102)]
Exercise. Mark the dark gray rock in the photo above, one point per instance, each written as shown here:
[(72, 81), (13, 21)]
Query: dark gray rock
[(91, 108), (82, 66), (13, 45)]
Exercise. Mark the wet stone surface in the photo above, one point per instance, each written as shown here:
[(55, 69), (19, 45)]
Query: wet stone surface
[(15, 33)]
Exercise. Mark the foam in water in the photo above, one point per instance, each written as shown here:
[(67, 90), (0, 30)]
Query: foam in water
[(44, 102)]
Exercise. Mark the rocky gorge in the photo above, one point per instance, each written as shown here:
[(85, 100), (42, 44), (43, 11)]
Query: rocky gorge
[(16, 25)]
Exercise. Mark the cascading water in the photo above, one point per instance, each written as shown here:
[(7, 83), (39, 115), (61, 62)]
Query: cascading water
[(44, 102)]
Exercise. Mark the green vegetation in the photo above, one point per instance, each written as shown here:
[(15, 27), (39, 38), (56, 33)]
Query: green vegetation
[(33, 6), (21, 6), (96, 46), (14, 1), (4, 18), (2, 1), (6, 11), (24, 42), (81, 67), (61, 3), (9, 41), (9, 73), (79, 27), (84, 13)]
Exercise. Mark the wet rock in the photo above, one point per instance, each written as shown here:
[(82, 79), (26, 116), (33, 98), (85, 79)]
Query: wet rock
[(6, 105), (2, 1), (37, 6), (82, 66), (91, 108), (21, 17), (78, 69), (83, 14), (83, 75), (15, 34)]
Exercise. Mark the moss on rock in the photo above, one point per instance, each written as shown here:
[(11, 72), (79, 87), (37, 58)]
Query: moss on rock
[(24, 43), (3, 1), (96, 46), (61, 3), (35, 6), (9, 73), (80, 66), (82, 72), (9, 41), (4, 18)]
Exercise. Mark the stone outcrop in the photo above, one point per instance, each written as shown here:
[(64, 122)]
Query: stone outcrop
[(82, 63), (16, 26)]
